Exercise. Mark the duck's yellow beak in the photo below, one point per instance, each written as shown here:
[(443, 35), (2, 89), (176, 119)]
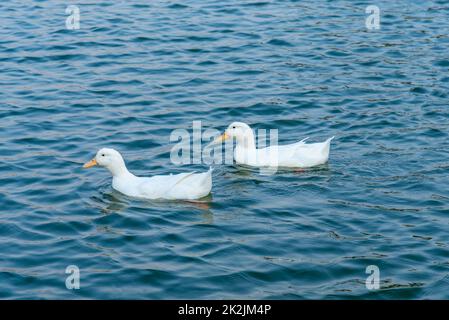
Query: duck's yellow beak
[(91, 163), (222, 138)]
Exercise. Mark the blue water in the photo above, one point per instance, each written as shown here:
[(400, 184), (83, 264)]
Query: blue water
[(137, 70)]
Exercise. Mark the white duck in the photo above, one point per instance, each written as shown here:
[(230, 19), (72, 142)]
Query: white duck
[(299, 154), (183, 186)]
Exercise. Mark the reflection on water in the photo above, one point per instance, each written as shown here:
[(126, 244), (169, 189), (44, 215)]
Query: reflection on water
[(113, 201)]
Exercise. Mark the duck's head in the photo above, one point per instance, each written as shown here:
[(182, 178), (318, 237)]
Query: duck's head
[(108, 158), (242, 133)]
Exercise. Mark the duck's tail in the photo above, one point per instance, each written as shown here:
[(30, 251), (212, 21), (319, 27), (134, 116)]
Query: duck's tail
[(327, 146), (300, 143)]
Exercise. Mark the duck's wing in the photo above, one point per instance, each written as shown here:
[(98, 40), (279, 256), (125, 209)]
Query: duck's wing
[(187, 185), (179, 178), (283, 151), (312, 154), (296, 154), (193, 185), (320, 147)]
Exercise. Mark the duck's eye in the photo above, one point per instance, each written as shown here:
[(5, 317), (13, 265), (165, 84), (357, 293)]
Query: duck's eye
[(102, 155), (233, 127)]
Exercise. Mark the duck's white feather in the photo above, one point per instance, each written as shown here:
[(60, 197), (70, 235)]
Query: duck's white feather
[(299, 154), (188, 186), (183, 186)]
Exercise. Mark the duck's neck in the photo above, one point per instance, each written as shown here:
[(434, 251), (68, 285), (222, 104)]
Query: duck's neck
[(119, 170), (247, 141)]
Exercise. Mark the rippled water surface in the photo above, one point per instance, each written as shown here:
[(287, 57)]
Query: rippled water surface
[(137, 70)]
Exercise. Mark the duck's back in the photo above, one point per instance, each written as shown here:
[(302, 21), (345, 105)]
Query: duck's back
[(187, 185), (298, 154)]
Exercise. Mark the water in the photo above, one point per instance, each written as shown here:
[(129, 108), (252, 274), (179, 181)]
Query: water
[(137, 70)]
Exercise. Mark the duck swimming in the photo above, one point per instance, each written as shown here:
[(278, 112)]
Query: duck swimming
[(299, 154), (183, 186)]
